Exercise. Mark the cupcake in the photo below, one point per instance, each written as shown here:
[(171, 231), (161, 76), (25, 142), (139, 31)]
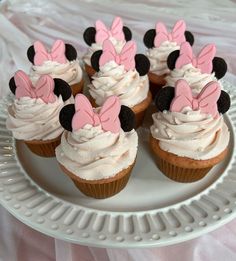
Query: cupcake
[(99, 146), (121, 74), (189, 135), (196, 70), (160, 44), (34, 114), (60, 62), (95, 36)]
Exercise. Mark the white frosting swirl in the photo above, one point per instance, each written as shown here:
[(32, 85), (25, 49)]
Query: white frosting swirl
[(190, 133), (113, 79), (32, 119), (93, 154), (158, 57), (70, 71), (192, 75), (96, 47)]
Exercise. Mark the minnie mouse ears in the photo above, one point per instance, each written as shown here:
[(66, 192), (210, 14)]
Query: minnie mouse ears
[(60, 52), (217, 64), (60, 87), (150, 35), (100, 32), (154, 37), (126, 117), (142, 64), (90, 33), (126, 57), (166, 95)]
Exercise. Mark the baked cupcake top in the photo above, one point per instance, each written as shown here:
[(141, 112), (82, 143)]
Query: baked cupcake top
[(98, 143), (161, 43), (60, 62), (122, 74), (95, 36), (196, 70), (191, 126), (34, 114)]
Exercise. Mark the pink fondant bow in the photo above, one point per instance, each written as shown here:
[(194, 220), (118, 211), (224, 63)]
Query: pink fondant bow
[(57, 53), (43, 88), (108, 117), (203, 61), (205, 101), (103, 33), (177, 34), (125, 57)]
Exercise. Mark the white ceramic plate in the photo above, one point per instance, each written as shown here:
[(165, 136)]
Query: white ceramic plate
[(151, 211)]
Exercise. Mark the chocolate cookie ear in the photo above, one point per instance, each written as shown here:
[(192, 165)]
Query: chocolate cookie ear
[(142, 64), (62, 88), (164, 98), (71, 53), (12, 85), (171, 59), (31, 54), (223, 102), (66, 115), (127, 118), (189, 37), (149, 37), (95, 60), (219, 67), (127, 33), (89, 35)]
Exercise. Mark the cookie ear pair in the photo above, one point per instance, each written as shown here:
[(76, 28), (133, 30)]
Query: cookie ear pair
[(150, 35), (90, 33), (70, 53), (126, 116), (60, 88), (165, 96), (142, 64), (219, 65)]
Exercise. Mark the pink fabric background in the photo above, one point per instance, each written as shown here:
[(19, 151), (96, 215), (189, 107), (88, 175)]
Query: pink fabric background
[(25, 21)]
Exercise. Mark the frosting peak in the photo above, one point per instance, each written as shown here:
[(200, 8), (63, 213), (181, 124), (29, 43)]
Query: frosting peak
[(32, 119), (113, 79), (93, 154), (195, 78), (70, 71), (190, 133), (158, 57)]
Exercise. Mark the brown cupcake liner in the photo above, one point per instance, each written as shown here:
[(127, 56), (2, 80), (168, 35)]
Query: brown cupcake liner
[(156, 82), (44, 148), (77, 87), (103, 188), (180, 174), (139, 109), (90, 71), (183, 169)]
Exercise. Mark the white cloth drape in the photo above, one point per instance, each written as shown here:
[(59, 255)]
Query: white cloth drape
[(22, 22)]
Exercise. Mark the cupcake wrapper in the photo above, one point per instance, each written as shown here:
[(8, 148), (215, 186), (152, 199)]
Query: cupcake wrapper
[(44, 148), (140, 110), (139, 117), (102, 188), (90, 71), (156, 83), (77, 87), (179, 174)]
